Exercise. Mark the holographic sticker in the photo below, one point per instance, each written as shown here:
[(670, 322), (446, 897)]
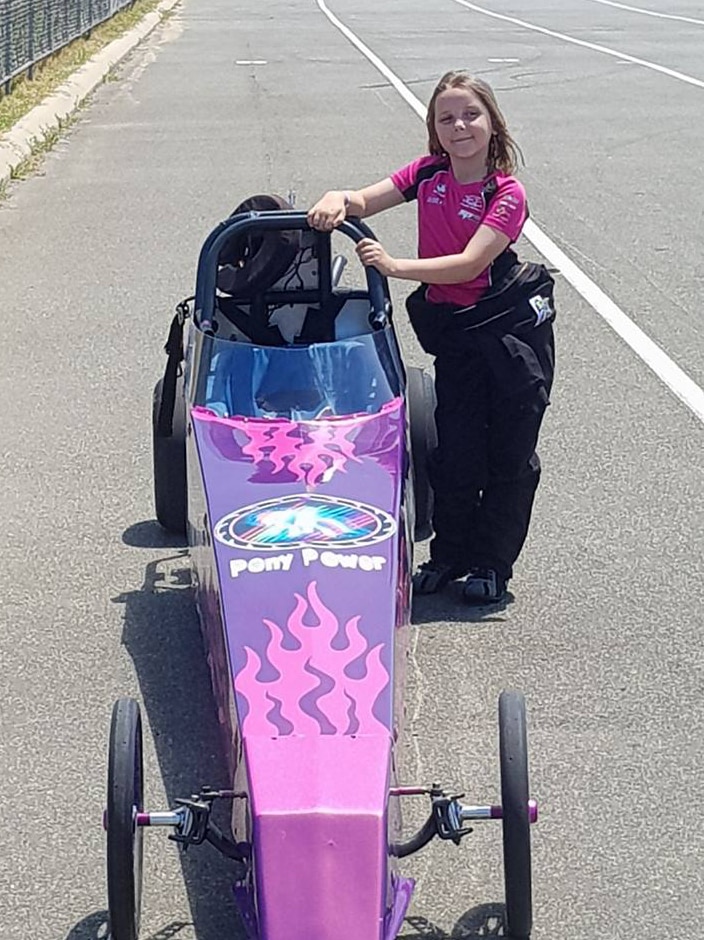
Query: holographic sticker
[(303, 521)]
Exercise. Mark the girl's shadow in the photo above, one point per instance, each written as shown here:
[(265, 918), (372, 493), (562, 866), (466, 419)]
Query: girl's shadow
[(448, 607)]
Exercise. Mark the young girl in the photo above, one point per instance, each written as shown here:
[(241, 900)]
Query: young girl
[(486, 319)]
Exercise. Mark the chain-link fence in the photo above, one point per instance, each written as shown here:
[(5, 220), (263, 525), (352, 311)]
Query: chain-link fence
[(30, 30)]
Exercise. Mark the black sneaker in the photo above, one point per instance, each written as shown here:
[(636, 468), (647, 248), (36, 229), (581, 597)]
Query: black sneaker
[(432, 576), (484, 586)]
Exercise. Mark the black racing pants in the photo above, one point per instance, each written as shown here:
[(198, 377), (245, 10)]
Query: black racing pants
[(491, 398)]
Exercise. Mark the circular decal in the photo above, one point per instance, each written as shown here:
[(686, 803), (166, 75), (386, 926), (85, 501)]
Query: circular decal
[(304, 521)]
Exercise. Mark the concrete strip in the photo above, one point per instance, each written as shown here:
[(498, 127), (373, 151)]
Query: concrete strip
[(28, 133)]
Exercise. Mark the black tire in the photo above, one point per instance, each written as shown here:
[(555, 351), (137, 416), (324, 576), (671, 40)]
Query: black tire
[(170, 486), (420, 396), (252, 263), (513, 757), (124, 837)]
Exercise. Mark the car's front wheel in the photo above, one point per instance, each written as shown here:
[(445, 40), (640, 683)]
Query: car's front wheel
[(124, 835), (513, 756)]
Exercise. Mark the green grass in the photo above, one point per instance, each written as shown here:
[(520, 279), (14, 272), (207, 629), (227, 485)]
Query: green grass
[(39, 149), (27, 93)]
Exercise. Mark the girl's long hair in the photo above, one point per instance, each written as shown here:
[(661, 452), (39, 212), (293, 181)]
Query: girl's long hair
[(504, 153)]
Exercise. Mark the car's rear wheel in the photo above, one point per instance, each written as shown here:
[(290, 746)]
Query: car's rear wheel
[(170, 488), (124, 836), (420, 396), (513, 757)]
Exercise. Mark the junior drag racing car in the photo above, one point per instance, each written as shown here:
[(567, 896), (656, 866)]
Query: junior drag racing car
[(290, 445)]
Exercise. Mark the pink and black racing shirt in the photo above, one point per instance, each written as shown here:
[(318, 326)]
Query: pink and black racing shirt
[(449, 213)]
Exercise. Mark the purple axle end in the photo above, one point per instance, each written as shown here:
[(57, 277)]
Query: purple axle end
[(497, 812)]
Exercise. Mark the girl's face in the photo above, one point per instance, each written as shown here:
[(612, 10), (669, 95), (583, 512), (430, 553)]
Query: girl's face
[(463, 124)]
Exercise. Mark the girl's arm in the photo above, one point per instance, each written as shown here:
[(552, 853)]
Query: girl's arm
[(336, 205), (483, 249)]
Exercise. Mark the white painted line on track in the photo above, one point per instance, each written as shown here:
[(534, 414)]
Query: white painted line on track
[(652, 355), (648, 351), (623, 56), (405, 93), (665, 16)]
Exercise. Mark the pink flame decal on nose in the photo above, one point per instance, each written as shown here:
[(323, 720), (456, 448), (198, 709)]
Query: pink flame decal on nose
[(329, 450), (313, 691), (311, 452), (270, 441)]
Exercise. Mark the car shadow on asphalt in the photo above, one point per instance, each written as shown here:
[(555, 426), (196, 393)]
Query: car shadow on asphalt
[(95, 927), (484, 920), (162, 635)]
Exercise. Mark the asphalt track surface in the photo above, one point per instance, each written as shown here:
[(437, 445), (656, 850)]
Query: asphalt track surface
[(604, 632)]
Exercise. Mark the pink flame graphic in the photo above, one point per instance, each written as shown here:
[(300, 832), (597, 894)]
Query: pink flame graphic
[(311, 452), (312, 693), (273, 442)]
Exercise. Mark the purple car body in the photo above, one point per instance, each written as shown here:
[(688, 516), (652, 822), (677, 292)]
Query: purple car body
[(299, 522)]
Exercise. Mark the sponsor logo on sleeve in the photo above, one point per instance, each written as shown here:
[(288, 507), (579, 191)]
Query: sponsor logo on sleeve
[(542, 307), (505, 207)]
